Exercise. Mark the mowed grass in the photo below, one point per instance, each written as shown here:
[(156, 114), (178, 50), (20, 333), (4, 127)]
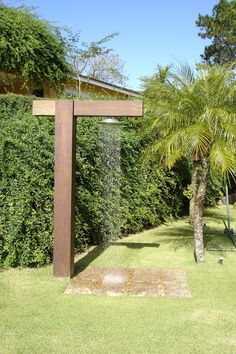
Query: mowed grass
[(37, 317)]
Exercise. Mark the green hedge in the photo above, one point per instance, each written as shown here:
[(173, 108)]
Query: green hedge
[(150, 195)]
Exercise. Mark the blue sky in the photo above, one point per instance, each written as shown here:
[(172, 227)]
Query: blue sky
[(151, 32)]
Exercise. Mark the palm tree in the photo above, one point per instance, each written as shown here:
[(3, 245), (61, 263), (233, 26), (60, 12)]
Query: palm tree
[(193, 117)]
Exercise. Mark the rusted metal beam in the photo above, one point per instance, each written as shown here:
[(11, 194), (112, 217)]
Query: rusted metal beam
[(96, 108), (64, 203)]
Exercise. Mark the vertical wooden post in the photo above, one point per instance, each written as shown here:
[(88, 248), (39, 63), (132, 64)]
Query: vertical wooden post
[(64, 204)]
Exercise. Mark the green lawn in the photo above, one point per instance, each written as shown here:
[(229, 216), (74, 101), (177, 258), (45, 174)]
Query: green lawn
[(36, 317)]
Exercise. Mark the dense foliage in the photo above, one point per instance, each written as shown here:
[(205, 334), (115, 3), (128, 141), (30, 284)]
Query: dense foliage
[(220, 28), (30, 48), (149, 195), (26, 184)]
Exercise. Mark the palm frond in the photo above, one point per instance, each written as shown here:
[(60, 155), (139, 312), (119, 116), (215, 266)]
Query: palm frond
[(193, 117), (224, 157), (183, 74)]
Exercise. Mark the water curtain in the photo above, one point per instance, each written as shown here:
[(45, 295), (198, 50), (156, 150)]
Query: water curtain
[(110, 172)]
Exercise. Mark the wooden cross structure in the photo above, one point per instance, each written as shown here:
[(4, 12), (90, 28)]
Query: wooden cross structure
[(65, 112)]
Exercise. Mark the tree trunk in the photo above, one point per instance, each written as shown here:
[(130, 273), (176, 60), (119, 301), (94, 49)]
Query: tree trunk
[(198, 212), (193, 190)]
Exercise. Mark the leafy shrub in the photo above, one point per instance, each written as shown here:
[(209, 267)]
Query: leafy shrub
[(150, 194), (26, 183), (215, 188)]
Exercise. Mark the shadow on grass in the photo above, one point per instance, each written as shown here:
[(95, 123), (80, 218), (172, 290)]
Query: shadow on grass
[(175, 238), (214, 235), (215, 213), (182, 232), (218, 243), (134, 245), (214, 238), (220, 213), (88, 258)]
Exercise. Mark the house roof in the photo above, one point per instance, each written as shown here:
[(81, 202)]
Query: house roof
[(108, 86)]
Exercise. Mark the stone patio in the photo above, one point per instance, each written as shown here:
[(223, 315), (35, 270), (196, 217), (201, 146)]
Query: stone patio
[(131, 282)]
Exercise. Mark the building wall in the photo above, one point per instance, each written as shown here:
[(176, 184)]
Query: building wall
[(87, 90), (8, 83)]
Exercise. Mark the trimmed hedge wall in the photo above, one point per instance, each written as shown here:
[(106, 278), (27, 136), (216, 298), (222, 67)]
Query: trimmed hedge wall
[(149, 195)]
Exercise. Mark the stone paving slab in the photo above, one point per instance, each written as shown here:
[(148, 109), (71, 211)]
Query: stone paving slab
[(132, 282)]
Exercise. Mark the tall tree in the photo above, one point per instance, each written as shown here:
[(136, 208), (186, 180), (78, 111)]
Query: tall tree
[(95, 59), (220, 28), (30, 48), (107, 67), (194, 117)]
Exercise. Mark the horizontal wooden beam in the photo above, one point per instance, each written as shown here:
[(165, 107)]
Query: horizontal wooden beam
[(96, 108), (44, 108), (108, 108)]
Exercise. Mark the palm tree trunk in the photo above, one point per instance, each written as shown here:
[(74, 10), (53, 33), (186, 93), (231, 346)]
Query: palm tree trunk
[(198, 212), (193, 190)]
